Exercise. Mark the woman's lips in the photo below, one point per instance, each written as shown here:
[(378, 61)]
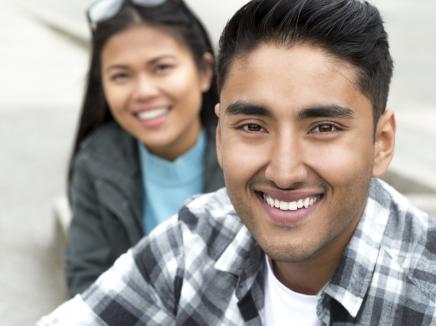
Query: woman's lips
[(153, 117)]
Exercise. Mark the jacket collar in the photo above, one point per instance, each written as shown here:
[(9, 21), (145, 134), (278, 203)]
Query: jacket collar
[(113, 156), (115, 152)]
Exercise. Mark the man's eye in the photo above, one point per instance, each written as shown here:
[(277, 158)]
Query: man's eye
[(252, 127), (325, 127)]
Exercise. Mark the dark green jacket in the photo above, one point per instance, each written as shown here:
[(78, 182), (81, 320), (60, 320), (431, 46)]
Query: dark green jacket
[(106, 197)]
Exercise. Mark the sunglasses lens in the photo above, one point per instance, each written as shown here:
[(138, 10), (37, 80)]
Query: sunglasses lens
[(149, 3), (101, 10)]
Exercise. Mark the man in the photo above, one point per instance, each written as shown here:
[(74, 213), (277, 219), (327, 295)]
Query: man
[(304, 233)]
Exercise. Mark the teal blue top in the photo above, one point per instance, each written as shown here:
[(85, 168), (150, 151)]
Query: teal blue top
[(168, 184)]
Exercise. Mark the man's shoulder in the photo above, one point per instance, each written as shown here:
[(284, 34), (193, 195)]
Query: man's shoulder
[(195, 247), (184, 267), (410, 243), (389, 270), (207, 221), (214, 208)]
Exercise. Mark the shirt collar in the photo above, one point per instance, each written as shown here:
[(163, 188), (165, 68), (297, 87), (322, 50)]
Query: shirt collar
[(243, 245), (353, 277), (354, 274), (249, 268)]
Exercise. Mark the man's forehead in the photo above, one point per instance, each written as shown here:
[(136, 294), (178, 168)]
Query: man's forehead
[(302, 81), (270, 61)]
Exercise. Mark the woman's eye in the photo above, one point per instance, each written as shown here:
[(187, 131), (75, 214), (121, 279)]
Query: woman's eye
[(325, 127), (252, 127), (162, 68), (119, 77)]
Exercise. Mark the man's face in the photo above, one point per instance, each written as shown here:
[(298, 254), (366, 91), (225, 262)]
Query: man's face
[(295, 141)]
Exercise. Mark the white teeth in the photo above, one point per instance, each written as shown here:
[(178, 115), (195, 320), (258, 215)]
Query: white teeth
[(290, 206), (300, 203), (152, 114), (276, 203), (284, 205), (293, 206)]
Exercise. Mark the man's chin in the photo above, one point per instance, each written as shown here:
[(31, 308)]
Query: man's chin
[(286, 253)]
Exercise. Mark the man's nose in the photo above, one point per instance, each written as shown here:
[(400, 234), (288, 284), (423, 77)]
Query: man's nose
[(286, 166)]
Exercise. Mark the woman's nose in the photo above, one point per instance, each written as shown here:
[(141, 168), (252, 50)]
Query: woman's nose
[(145, 88)]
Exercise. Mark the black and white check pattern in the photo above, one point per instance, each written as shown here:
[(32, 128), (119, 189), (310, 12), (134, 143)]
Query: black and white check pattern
[(202, 267)]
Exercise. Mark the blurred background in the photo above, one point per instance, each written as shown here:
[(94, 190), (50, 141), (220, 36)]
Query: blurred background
[(44, 58)]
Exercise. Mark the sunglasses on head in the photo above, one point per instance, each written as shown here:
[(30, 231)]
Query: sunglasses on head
[(102, 10)]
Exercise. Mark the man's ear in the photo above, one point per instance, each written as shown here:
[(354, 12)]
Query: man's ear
[(384, 143), (218, 136), (207, 72)]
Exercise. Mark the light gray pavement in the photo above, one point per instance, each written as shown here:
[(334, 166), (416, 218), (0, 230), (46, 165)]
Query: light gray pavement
[(40, 90), (40, 86)]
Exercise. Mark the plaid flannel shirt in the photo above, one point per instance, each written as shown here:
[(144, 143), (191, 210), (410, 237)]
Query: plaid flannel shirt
[(202, 267)]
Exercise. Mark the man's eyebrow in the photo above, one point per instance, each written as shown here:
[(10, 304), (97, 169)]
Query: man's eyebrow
[(246, 108), (327, 111)]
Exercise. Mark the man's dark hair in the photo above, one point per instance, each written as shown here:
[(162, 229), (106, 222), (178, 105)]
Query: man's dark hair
[(351, 30)]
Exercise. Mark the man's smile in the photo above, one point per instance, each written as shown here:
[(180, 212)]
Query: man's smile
[(291, 205)]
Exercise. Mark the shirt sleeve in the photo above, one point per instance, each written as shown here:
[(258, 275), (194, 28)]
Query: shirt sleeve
[(73, 312), (140, 288)]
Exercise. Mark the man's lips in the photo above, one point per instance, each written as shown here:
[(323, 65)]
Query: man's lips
[(294, 205), (290, 200), (289, 207)]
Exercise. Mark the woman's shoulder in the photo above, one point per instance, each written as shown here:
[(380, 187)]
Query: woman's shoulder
[(109, 154), (105, 133), (107, 140)]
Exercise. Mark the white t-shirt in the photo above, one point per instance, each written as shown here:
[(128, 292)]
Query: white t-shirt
[(284, 307)]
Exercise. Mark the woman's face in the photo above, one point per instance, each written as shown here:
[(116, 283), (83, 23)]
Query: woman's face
[(154, 88)]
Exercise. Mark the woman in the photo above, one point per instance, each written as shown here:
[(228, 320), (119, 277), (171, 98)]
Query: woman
[(145, 140)]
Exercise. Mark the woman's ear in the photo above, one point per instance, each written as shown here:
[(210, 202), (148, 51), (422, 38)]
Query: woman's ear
[(384, 143), (207, 72)]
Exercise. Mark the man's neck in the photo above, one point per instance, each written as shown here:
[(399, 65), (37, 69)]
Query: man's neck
[(306, 278), (311, 275)]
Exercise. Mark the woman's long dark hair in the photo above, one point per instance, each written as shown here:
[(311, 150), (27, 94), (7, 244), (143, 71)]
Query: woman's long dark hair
[(173, 16)]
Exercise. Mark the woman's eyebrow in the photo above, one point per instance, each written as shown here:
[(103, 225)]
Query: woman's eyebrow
[(152, 61), (116, 67)]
